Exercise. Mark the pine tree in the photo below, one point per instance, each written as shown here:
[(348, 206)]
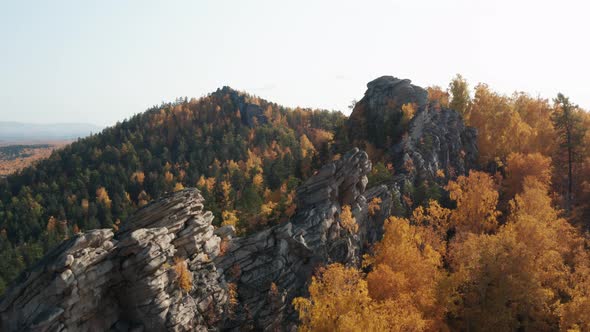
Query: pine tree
[(568, 125)]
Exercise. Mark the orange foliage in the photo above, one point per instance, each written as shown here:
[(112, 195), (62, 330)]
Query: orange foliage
[(102, 196), (476, 198), (438, 95), (184, 277), (138, 177), (347, 220), (374, 206), (520, 166)]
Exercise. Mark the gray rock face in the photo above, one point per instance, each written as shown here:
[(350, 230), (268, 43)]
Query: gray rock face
[(436, 139), (376, 117), (125, 281), (287, 255), (101, 281)]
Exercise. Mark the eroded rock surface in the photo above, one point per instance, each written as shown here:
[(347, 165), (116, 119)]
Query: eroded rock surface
[(101, 281), (426, 150), (125, 281), (272, 267)]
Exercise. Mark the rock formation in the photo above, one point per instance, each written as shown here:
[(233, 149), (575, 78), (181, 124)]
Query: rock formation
[(100, 281), (272, 267), (125, 281), (376, 117), (432, 147), (435, 138)]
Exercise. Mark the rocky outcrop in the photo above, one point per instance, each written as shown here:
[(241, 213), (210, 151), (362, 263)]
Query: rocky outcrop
[(425, 150), (272, 267), (376, 118), (436, 140), (126, 281), (101, 281), (251, 114)]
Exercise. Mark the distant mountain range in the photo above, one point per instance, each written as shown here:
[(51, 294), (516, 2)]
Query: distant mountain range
[(19, 131)]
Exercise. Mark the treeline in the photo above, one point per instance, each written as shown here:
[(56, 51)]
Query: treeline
[(246, 155), (13, 151)]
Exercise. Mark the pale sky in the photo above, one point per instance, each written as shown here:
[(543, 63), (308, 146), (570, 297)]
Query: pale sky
[(103, 61)]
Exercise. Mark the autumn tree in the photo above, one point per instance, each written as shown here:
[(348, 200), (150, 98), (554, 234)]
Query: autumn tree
[(438, 96), (523, 276), (476, 198), (460, 98), (103, 197), (339, 301), (399, 294), (347, 220), (184, 277), (406, 270), (519, 166), (336, 296), (229, 218)]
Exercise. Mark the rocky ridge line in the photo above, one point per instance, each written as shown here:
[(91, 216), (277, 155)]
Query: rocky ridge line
[(124, 281)]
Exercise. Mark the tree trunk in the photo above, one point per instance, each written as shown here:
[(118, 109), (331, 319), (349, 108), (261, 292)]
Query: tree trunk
[(569, 171)]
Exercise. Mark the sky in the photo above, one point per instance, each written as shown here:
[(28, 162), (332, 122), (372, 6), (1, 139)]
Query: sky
[(103, 61)]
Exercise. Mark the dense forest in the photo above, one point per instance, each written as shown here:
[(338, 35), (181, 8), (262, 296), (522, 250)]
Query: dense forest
[(511, 251), (245, 154), (502, 247)]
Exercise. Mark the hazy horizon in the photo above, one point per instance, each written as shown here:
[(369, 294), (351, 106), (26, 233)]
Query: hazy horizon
[(70, 62)]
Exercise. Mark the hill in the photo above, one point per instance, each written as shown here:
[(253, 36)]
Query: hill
[(246, 154)]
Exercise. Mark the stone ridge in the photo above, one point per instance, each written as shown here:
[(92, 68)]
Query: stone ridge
[(274, 266), (101, 281), (124, 281)]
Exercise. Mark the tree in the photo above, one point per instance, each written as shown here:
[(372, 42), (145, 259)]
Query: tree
[(183, 275), (399, 294), (476, 197), (229, 218), (347, 220), (438, 96), (102, 196), (460, 98), (533, 271), (567, 122), (407, 270), (520, 166), (337, 294), (339, 301)]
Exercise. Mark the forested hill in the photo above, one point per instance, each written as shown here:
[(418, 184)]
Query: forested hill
[(246, 155)]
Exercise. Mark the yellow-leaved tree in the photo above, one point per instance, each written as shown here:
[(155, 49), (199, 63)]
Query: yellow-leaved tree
[(405, 276), (476, 198), (519, 166), (399, 294), (522, 277)]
